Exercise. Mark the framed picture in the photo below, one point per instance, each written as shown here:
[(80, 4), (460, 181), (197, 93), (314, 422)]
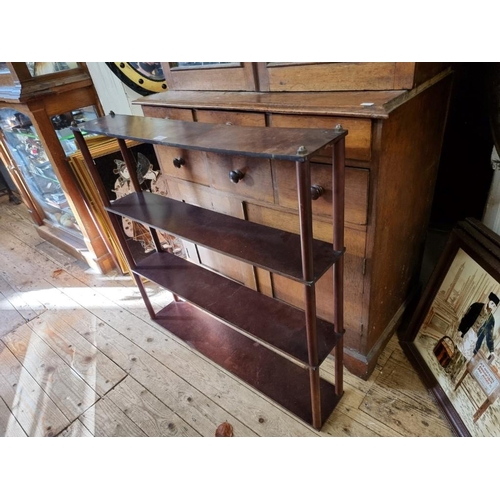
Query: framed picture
[(453, 338)]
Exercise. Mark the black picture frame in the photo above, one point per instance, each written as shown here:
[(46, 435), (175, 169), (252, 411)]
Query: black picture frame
[(465, 383)]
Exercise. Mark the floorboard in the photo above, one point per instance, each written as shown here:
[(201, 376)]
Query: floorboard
[(80, 357)]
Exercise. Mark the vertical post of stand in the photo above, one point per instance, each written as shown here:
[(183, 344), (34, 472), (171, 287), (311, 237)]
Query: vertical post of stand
[(338, 189), (132, 170), (130, 164), (144, 295), (117, 226), (305, 219)]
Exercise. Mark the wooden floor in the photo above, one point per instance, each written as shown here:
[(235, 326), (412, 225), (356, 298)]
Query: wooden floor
[(79, 356)]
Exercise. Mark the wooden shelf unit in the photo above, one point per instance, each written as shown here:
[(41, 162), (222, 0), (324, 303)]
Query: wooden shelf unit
[(267, 343)]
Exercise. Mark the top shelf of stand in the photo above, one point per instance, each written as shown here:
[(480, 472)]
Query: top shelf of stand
[(263, 142)]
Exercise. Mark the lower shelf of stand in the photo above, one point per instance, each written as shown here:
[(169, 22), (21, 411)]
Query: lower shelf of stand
[(278, 378), (267, 320)]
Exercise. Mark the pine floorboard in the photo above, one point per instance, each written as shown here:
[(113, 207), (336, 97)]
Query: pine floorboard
[(80, 357)]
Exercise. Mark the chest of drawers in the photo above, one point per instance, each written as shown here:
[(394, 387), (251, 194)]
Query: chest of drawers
[(392, 156)]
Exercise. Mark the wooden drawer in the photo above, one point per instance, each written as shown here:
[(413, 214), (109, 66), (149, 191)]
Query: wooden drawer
[(232, 118), (257, 181), (356, 190), (232, 268), (290, 291), (358, 140), (169, 113), (194, 168), (205, 197)]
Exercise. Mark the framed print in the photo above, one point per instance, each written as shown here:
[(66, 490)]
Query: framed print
[(453, 338)]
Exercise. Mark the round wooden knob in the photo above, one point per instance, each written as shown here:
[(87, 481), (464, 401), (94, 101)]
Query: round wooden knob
[(178, 162), (316, 191), (236, 176)]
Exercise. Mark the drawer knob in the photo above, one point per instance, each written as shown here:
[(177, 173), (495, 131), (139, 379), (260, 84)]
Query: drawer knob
[(236, 176), (316, 191), (178, 162)]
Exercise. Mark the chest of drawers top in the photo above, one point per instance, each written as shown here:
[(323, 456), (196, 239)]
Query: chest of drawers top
[(368, 104)]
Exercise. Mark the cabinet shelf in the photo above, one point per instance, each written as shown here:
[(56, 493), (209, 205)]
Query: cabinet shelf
[(273, 375), (272, 249), (239, 306)]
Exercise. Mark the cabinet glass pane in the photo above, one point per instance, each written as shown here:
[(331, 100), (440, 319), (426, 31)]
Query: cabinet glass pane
[(197, 65), (35, 168), (46, 68)]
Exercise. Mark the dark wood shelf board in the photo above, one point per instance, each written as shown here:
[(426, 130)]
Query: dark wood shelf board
[(262, 246), (267, 320), (262, 142), (271, 374)]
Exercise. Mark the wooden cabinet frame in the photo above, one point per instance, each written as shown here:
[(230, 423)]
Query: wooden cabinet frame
[(301, 76), (237, 76), (40, 98)]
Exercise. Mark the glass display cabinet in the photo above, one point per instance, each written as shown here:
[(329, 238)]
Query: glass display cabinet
[(38, 103)]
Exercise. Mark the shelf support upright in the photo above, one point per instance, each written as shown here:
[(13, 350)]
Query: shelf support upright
[(116, 223), (132, 170), (129, 162), (303, 170), (338, 190)]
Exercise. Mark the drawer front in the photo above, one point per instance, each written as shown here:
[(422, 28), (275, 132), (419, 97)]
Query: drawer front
[(193, 169), (357, 142), (292, 292), (356, 190), (212, 200), (256, 182), (205, 197), (169, 113), (232, 118), (232, 268)]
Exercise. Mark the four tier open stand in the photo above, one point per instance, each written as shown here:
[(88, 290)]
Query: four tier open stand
[(267, 343)]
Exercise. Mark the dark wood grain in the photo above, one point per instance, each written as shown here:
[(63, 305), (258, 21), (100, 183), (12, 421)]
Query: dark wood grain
[(270, 321), (280, 144), (269, 248), (281, 380)]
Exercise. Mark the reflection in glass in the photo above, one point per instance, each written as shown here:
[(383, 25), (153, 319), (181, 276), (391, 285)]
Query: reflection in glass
[(62, 124), (34, 165), (45, 68)]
